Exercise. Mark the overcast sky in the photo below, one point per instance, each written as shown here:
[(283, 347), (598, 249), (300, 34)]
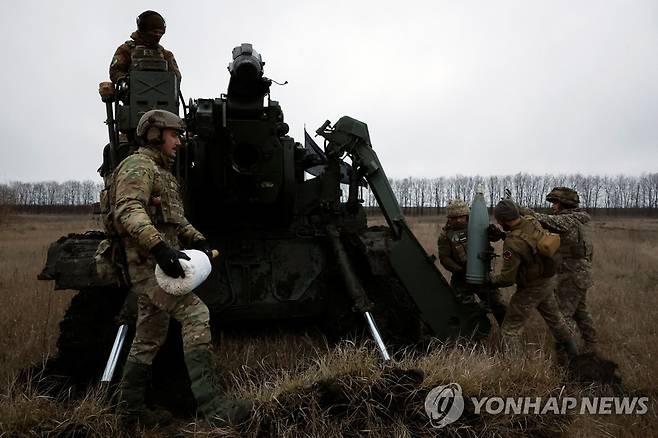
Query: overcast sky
[(446, 87)]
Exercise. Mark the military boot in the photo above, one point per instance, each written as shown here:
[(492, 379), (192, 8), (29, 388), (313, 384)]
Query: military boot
[(132, 390), (566, 350), (211, 403), (570, 348)]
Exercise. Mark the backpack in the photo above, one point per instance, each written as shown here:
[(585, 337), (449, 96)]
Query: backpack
[(544, 246), (110, 257), (548, 243)]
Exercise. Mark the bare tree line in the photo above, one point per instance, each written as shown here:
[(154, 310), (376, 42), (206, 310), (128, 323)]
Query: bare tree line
[(620, 191), (50, 193)]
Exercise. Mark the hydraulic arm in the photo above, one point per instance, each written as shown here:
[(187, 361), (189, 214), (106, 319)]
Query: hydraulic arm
[(439, 309)]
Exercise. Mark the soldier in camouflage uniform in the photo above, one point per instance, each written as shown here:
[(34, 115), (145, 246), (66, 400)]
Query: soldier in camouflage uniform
[(575, 254), (534, 278), (150, 28), (452, 243), (148, 214)]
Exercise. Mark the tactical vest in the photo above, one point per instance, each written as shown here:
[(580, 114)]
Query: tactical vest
[(579, 248), (458, 240), (165, 208), (145, 58), (169, 210), (534, 265)]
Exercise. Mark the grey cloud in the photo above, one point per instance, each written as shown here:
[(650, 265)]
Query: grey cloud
[(445, 87)]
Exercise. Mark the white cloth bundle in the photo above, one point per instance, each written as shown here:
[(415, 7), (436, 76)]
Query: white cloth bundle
[(197, 269)]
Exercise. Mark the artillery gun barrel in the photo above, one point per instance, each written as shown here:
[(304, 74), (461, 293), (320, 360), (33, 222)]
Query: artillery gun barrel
[(112, 361)]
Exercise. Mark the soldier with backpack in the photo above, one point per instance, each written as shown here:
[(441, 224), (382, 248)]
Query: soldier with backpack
[(534, 276)]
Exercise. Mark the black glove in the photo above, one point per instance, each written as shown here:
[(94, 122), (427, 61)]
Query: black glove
[(167, 258), (203, 246), (495, 234)]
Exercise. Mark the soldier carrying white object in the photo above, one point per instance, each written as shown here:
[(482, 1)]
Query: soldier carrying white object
[(148, 214)]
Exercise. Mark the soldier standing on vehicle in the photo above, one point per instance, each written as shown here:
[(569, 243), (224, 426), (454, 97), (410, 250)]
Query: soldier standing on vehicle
[(575, 268), (533, 275), (150, 28), (148, 214), (452, 243)]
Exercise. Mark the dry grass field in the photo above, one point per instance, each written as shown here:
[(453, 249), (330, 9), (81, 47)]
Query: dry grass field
[(286, 374)]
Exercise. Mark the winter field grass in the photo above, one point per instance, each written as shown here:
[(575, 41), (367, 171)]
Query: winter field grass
[(304, 387)]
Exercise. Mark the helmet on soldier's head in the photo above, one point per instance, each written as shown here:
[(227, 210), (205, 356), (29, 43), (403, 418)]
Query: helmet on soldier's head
[(152, 123), (150, 20), (457, 208), (565, 196)]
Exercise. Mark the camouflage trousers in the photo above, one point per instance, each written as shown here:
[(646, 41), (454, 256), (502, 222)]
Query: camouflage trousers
[(155, 308), (489, 297), (540, 296), (572, 300)]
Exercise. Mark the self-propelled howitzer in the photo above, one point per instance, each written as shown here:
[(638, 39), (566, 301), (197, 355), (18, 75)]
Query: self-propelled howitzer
[(291, 248)]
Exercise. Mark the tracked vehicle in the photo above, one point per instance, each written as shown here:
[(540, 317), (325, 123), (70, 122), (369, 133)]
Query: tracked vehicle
[(292, 248)]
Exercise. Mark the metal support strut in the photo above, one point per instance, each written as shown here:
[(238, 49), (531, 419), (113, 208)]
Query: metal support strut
[(114, 354), (361, 301)]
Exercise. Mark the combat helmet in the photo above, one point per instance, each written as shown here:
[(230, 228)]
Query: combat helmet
[(152, 123), (149, 20), (565, 196), (457, 208)]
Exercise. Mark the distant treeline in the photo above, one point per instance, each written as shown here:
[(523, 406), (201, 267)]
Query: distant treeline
[(50, 193), (596, 192), (645, 212)]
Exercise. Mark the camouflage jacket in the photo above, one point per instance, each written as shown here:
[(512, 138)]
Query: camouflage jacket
[(120, 65), (452, 243), (147, 204), (521, 263), (575, 253)]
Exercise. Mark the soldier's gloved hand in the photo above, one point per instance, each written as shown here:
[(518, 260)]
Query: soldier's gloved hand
[(495, 234), (203, 246), (167, 258)]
